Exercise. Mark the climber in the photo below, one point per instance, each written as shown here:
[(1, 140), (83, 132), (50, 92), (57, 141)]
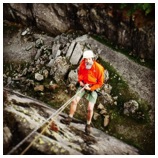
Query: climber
[(90, 75)]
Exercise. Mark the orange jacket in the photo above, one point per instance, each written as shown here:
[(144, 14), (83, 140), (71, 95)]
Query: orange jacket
[(93, 76)]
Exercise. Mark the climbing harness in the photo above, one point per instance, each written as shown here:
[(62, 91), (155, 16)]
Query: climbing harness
[(46, 121)]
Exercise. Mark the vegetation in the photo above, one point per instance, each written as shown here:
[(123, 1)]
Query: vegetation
[(127, 128), (124, 93), (147, 8)]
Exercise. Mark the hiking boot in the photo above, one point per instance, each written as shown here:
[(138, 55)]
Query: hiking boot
[(88, 129), (66, 121)]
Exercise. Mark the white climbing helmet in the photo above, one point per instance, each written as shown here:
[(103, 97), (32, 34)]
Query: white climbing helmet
[(88, 54)]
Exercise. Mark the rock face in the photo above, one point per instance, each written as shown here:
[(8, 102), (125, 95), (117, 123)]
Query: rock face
[(53, 59), (28, 114), (135, 32)]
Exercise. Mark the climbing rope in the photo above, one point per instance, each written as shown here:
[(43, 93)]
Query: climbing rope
[(47, 120)]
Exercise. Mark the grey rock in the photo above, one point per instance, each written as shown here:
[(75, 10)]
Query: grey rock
[(69, 140), (39, 77), (130, 107)]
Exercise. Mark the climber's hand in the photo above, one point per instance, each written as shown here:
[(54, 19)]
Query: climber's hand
[(87, 87)]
